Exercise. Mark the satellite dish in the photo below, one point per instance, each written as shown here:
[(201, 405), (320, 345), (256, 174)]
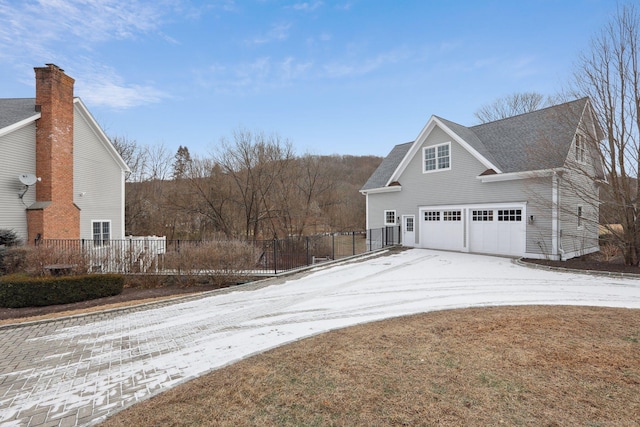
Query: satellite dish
[(27, 178)]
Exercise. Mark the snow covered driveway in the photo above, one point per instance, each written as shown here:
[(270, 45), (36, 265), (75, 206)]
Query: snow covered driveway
[(78, 371)]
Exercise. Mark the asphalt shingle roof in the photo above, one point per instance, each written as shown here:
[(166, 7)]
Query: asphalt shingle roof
[(382, 174), (14, 110), (532, 141)]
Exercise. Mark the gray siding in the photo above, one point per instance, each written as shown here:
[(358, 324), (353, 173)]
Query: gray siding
[(17, 150), (578, 189), (460, 186), (98, 178)]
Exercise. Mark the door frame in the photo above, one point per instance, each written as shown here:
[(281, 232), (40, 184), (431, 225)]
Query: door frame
[(407, 234)]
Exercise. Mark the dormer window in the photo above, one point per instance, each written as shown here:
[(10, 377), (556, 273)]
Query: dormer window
[(437, 157), (580, 149)]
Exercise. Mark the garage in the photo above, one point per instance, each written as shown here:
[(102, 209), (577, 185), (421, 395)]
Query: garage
[(443, 229), (498, 229)]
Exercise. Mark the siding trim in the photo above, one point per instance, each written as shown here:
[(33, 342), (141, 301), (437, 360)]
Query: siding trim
[(19, 125), (392, 189), (422, 137), (512, 176)]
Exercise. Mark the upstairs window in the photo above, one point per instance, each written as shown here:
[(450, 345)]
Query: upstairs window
[(101, 232), (580, 149), (437, 157)]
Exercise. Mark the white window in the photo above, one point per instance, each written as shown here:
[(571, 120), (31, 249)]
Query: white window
[(437, 157), (409, 224), (483, 215), (510, 215), (432, 216), (579, 214), (389, 217), (580, 149), (452, 215), (101, 232)]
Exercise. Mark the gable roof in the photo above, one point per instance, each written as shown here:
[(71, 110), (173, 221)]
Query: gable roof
[(380, 176), (102, 137), (516, 140), (16, 110), (538, 140)]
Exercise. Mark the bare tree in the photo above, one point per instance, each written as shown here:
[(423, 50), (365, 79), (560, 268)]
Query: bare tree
[(253, 162), (207, 197), (508, 106), (609, 74), (145, 207)]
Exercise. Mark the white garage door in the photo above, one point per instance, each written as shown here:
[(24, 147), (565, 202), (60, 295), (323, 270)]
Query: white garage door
[(498, 231), (442, 229)]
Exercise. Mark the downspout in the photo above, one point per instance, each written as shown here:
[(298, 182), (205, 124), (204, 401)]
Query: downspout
[(366, 210), (554, 214), (556, 231)]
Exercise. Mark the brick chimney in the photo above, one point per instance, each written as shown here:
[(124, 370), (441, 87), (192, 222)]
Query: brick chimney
[(54, 214)]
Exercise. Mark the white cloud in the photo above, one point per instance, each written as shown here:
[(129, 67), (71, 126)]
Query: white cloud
[(255, 76), (307, 6), (277, 32), (362, 66), (50, 21), (112, 95), (102, 86), (66, 32)]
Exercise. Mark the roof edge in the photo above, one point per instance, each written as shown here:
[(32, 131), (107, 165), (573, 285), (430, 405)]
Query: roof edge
[(101, 135), (18, 125)]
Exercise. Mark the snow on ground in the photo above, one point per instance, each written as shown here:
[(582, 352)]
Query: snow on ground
[(143, 353)]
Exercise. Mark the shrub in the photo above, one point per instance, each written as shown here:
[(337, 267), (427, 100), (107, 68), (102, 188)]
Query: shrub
[(22, 291), (8, 238), (38, 257), (13, 260), (222, 261)]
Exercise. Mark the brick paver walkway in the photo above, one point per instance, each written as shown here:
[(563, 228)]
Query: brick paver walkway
[(77, 371), (65, 373)]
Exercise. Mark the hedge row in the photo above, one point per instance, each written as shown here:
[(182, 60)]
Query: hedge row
[(21, 291)]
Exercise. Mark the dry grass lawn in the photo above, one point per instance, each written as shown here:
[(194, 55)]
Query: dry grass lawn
[(515, 366)]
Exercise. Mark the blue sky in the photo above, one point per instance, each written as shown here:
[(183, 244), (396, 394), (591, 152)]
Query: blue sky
[(348, 77)]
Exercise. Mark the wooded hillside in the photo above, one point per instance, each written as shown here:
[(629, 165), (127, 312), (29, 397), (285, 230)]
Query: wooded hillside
[(254, 188)]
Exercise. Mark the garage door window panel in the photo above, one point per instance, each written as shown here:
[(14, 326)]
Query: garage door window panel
[(510, 215), (432, 216), (482, 215), (452, 215)]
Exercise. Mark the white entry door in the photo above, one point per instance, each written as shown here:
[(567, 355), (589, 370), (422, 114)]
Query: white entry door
[(408, 230)]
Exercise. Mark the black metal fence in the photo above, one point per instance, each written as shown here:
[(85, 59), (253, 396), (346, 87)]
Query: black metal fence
[(156, 255)]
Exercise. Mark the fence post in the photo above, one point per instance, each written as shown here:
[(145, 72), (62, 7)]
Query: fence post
[(275, 256), (131, 255), (353, 243), (307, 243), (333, 246)]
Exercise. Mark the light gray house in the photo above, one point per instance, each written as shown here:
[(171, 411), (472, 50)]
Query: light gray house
[(526, 186), (60, 176)]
